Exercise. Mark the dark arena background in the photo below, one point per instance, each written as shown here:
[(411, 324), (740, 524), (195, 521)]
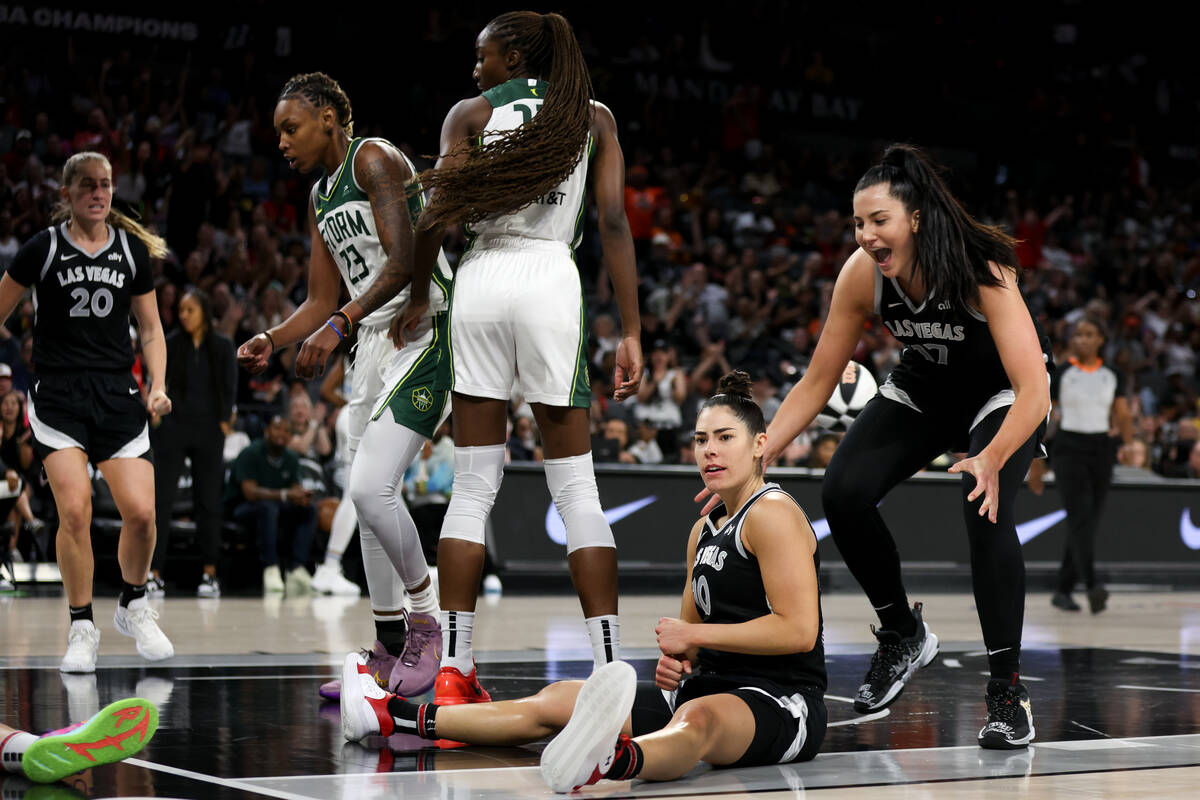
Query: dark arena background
[(1074, 126)]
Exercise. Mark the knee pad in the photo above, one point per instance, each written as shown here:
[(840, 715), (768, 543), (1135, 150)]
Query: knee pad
[(572, 484), (477, 475)]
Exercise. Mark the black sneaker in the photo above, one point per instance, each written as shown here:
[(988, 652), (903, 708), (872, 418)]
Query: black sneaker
[(1064, 601), (1010, 716), (894, 662)]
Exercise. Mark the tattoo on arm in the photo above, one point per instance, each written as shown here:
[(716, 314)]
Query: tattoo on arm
[(389, 203)]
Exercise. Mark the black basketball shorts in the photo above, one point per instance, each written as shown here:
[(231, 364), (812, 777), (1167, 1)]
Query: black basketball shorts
[(101, 413), (787, 727)]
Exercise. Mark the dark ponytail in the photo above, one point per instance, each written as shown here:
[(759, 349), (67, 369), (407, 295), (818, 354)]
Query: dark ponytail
[(951, 249), (525, 163), (735, 393)]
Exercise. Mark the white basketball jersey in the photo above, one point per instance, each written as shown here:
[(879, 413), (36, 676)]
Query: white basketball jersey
[(557, 215)]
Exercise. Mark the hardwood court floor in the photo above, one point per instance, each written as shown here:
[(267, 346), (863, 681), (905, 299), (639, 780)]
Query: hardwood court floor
[(1116, 699)]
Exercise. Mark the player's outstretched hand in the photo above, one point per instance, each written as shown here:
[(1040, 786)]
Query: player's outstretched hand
[(158, 403), (315, 352), (628, 373), (254, 353), (987, 482)]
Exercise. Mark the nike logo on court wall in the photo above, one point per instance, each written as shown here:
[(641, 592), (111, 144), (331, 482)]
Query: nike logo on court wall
[(1188, 531), (557, 531)]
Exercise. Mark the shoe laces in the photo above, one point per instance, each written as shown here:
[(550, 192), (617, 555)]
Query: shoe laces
[(886, 660), (81, 635), (1004, 706), (143, 617), (418, 641)]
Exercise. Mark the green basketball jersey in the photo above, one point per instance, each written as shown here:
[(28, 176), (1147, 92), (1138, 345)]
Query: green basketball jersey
[(347, 224)]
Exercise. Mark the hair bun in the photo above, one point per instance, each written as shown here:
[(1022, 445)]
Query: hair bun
[(736, 383)]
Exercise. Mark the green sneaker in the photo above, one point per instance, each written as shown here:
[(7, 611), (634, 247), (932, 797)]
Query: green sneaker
[(117, 732)]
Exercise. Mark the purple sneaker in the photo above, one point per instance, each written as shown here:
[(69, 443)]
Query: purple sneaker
[(379, 661), (417, 668)]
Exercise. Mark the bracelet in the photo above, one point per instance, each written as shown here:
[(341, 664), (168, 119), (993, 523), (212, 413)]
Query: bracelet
[(270, 339), (333, 328), (345, 316)]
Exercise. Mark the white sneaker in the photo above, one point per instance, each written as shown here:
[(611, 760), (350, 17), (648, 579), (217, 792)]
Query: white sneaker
[(138, 622), (155, 587), (272, 580), (363, 702), (298, 582), (330, 580), (584, 750), (83, 642), (6, 585), (209, 587)]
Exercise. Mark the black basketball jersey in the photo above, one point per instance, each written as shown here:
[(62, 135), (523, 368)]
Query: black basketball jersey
[(81, 302), (949, 365), (727, 587)]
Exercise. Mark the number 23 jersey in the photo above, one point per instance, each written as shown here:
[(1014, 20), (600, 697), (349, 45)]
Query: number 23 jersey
[(346, 223), (81, 302)]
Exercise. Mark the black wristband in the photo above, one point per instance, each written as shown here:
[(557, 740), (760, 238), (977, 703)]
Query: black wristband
[(270, 339), (346, 317)]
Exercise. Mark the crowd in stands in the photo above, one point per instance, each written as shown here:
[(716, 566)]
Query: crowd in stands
[(739, 240)]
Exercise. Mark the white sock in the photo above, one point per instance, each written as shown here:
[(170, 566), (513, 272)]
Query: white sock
[(424, 601), (333, 561), (605, 633), (456, 640), (13, 747)]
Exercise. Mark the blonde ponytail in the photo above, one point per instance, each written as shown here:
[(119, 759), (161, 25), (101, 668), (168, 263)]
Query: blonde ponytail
[(154, 243)]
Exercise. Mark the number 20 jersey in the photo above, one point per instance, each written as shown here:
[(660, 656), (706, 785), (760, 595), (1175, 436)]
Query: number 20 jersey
[(81, 301), (347, 224)]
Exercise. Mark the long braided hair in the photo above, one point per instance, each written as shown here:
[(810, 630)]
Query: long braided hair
[(525, 163), (321, 90)]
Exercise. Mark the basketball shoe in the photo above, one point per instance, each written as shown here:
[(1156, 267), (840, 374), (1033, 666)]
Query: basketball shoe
[(894, 662), (1010, 716), (379, 663), (138, 621), (117, 732), (83, 643), (585, 749), (417, 668), (452, 688)]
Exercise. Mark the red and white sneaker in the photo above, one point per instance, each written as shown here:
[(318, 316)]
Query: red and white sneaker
[(452, 688), (363, 701), (584, 750)]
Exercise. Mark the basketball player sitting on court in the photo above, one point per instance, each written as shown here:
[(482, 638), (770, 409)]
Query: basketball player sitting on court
[(116, 732), (741, 679)]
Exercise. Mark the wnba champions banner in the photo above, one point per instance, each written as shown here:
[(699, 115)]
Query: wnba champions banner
[(651, 512)]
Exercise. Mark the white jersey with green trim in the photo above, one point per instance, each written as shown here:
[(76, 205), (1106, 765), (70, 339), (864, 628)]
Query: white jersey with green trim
[(556, 215), (346, 223)]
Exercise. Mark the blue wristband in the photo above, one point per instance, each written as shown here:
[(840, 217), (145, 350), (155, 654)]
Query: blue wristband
[(334, 329)]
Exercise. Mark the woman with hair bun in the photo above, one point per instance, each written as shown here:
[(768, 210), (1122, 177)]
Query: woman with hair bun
[(89, 272), (741, 679), (973, 378)]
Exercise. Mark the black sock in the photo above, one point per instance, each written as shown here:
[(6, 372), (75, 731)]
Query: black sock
[(898, 617), (131, 592), (628, 763), (1005, 664), (393, 634), (83, 612), (413, 717)]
